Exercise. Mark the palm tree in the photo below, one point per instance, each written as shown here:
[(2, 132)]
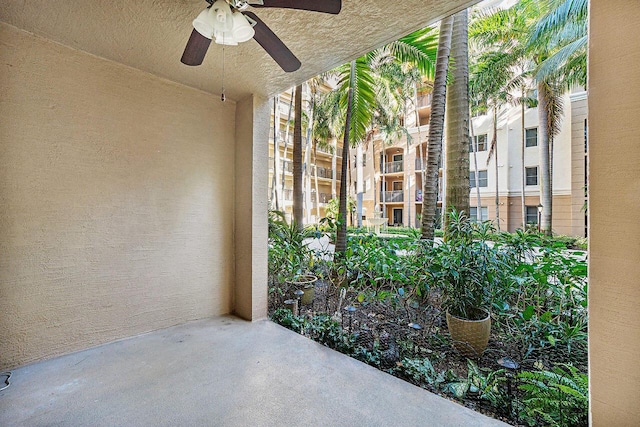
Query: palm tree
[(341, 232), (457, 121), (297, 158), (276, 154), (491, 83), (563, 30), (359, 99), (559, 41), (436, 130)]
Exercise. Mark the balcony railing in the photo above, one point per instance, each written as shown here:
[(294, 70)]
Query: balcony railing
[(393, 167), (418, 195), (324, 149), (323, 197), (392, 196), (324, 172), (288, 195), (418, 164)]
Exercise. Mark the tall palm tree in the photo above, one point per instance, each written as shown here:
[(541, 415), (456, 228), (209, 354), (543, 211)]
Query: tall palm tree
[(359, 99), (436, 130), (491, 83), (457, 121), (297, 158), (559, 42), (341, 231), (563, 31), (276, 154)]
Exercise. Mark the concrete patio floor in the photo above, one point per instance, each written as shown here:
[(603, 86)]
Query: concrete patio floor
[(222, 372)]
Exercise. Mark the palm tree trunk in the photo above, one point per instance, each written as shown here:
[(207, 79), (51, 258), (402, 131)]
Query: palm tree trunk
[(334, 167), (286, 136), (383, 183), (457, 125), (359, 185), (341, 232), (494, 145), (421, 156), (475, 168), (315, 170), (522, 171), (297, 158), (307, 163), (545, 169), (276, 155), (436, 125)]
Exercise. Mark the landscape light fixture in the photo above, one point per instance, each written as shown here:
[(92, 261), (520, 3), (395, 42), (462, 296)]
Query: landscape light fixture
[(539, 215)]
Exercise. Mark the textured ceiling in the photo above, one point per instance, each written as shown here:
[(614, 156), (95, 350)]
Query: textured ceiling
[(151, 34)]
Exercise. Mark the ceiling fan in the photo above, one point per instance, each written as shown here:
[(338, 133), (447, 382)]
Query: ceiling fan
[(228, 23)]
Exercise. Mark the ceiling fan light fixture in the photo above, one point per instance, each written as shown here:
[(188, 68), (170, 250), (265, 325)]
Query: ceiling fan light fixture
[(242, 29), (223, 17), (204, 23), (225, 38)]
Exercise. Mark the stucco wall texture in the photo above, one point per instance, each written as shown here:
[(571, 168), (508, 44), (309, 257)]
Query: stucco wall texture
[(116, 200), (614, 207)]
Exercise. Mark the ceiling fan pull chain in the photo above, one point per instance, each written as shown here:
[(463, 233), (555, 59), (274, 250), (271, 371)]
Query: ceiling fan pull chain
[(223, 97)]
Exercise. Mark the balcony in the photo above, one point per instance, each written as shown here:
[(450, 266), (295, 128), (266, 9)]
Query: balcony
[(396, 196), (323, 172), (394, 167), (418, 165), (323, 197)]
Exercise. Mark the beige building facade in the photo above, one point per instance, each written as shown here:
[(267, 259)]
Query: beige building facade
[(321, 160), (393, 179)]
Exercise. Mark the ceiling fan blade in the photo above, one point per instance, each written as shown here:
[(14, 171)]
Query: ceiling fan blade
[(196, 49), (273, 45), (326, 6)]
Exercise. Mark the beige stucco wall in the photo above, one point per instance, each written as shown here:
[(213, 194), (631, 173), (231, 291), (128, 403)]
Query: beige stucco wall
[(116, 200), (251, 204), (614, 208)]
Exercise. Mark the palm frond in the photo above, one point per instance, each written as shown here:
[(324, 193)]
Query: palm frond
[(566, 13), (418, 48), (560, 62)]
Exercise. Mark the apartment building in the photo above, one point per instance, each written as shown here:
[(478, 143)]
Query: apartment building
[(388, 177), (320, 161)]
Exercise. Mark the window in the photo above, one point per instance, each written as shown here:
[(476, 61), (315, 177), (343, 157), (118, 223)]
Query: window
[(482, 179), (484, 214), (532, 215), (481, 143), (531, 137), (531, 175), (397, 185)]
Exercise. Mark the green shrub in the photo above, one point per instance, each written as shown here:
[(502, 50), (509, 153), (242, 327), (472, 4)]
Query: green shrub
[(559, 397)]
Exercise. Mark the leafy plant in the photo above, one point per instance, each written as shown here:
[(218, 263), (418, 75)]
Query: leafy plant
[(482, 384), (289, 254), (559, 397), (422, 371), (286, 318), (468, 270)]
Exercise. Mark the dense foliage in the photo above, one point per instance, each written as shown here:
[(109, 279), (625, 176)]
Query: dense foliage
[(536, 292)]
